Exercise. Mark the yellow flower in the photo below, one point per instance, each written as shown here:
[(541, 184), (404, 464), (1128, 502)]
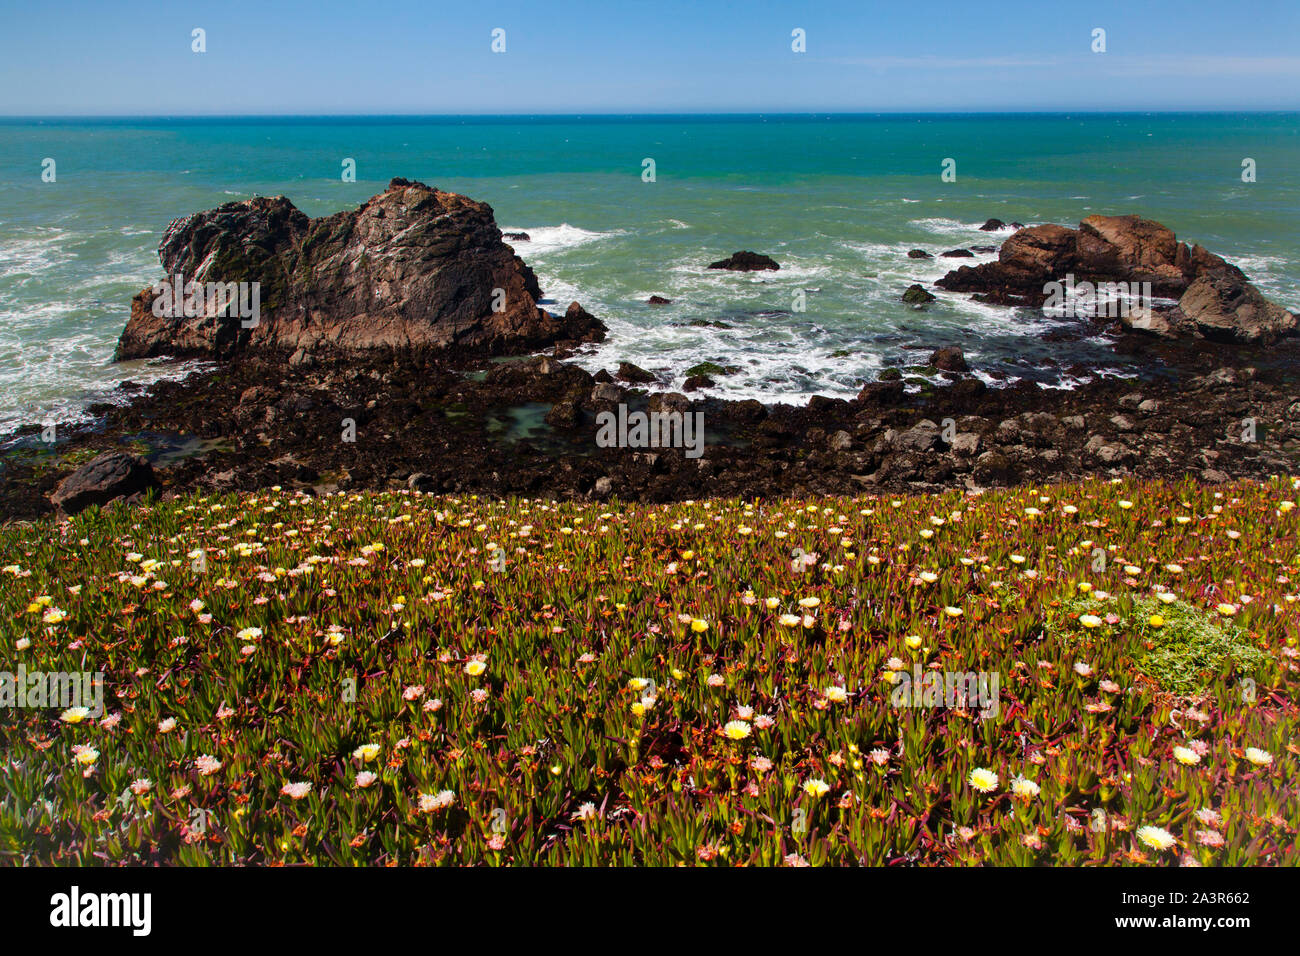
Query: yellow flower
[(699, 625), (1156, 621), (1126, 505), (836, 694), (736, 729), (1090, 620), (1227, 610), (816, 787), (366, 752), (474, 668), (985, 781), (913, 641)]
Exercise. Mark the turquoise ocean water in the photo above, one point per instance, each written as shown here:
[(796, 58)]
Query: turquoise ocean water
[(836, 200)]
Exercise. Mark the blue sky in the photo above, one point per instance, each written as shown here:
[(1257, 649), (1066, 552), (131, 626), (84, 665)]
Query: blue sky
[(102, 57)]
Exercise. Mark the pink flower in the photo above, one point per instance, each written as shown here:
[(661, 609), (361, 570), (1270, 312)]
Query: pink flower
[(207, 764)]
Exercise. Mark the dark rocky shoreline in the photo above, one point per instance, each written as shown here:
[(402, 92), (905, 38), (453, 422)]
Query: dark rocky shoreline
[(419, 424), (399, 344)]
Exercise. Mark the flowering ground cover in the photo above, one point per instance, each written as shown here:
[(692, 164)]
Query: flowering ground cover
[(403, 679)]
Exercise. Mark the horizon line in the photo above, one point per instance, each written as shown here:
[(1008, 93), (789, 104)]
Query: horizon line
[(7, 117)]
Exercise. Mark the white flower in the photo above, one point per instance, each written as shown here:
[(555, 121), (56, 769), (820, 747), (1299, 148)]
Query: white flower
[(1157, 838), (1260, 758), (1024, 788)]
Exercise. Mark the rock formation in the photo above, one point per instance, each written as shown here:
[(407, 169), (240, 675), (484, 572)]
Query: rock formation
[(413, 268), (1102, 249), (745, 262)]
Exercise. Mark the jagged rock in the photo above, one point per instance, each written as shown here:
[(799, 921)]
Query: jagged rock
[(918, 254), (1102, 249), (923, 436), (966, 444), (957, 254), (994, 467), (412, 268), (628, 372), (695, 382), (950, 358), (669, 402), (1226, 308), (745, 262), (992, 225), (659, 300), (1107, 451), (564, 415), (106, 477)]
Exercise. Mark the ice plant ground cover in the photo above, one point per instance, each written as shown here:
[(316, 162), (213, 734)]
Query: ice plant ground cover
[(400, 679)]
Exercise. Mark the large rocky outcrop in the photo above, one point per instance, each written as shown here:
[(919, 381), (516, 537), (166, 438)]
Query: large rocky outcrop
[(1102, 249), (412, 268)]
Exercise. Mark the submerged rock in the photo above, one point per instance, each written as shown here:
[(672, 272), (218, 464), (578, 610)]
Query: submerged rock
[(746, 262), (628, 372), (950, 358), (917, 295)]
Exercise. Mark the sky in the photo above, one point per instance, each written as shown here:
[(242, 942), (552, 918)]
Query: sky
[(132, 58)]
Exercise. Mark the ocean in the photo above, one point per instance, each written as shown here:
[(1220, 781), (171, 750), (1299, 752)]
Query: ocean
[(836, 200)]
